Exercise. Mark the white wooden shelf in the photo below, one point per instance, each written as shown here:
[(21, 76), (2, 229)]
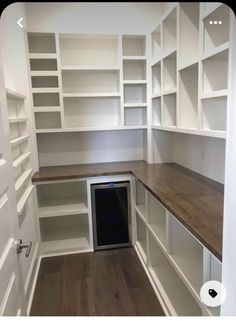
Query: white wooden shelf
[(13, 120), (134, 45), (141, 241), (42, 55), (44, 73), (19, 140), (14, 95), (216, 50), (63, 210), (134, 82), (141, 211), (46, 109), (134, 57), (109, 94), (217, 93), (78, 244), (191, 131), (45, 90), (23, 200), (101, 68), (23, 179), (21, 159), (134, 105)]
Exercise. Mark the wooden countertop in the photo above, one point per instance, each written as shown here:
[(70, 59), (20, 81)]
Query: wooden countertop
[(195, 200)]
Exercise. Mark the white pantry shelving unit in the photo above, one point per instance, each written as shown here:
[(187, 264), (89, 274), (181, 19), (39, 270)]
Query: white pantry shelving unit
[(174, 259), (19, 140), (65, 223), (190, 58)]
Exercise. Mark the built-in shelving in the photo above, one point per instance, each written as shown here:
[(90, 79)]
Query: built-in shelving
[(133, 45), (141, 200), (141, 241), (19, 140)]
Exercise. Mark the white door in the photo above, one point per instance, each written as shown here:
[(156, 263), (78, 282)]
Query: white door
[(11, 289)]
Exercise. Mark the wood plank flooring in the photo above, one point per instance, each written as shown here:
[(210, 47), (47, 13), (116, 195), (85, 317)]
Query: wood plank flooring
[(102, 283)]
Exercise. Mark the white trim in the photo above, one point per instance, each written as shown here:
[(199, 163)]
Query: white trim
[(31, 296)]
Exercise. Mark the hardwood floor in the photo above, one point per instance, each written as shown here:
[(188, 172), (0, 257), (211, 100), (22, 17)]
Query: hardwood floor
[(102, 283)]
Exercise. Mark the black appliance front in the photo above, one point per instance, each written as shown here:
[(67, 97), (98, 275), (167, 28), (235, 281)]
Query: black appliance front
[(111, 215)]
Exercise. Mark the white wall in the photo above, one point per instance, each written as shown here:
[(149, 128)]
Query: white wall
[(16, 77), (90, 147), (204, 155), (94, 17)]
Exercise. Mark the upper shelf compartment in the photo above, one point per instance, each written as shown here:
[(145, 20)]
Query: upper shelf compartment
[(88, 50), (216, 29), (189, 34), (133, 45), (41, 42), (169, 31)]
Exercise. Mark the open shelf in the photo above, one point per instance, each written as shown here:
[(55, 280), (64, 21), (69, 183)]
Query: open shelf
[(156, 79), (60, 199), (169, 31), (44, 81), (169, 72), (23, 199), (134, 45), (88, 50), (47, 120), (156, 44), (141, 241), (156, 111), (41, 42), (92, 112), (189, 34), (188, 97), (157, 219), (140, 199), (43, 64), (90, 81), (169, 110), (136, 93), (214, 111), (21, 159), (135, 116), (187, 254), (46, 99), (64, 233), (177, 298), (134, 69), (23, 179), (215, 72), (216, 34)]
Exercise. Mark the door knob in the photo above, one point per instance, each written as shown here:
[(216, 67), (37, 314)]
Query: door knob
[(20, 246)]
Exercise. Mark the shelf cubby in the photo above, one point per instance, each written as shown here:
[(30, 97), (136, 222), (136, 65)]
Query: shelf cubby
[(44, 81), (134, 45), (134, 69), (92, 111), (64, 233), (92, 81), (216, 35), (156, 79), (88, 50), (188, 97), (187, 254), (157, 219), (177, 297), (60, 199), (189, 34), (169, 72), (140, 199), (215, 72), (156, 111), (169, 31), (169, 110), (141, 241), (43, 64), (46, 99), (135, 116), (41, 42), (214, 111), (47, 120), (156, 44), (136, 93)]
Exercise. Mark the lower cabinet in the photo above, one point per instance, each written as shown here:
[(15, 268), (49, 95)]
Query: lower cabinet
[(176, 262)]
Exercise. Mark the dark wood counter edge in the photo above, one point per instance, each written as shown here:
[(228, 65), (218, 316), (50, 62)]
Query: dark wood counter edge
[(40, 177)]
